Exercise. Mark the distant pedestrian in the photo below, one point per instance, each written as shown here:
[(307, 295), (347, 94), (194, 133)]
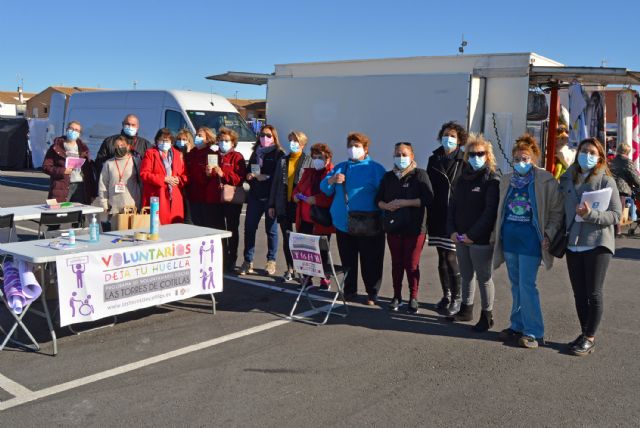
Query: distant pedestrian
[(354, 185), (444, 169), (471, 219), (263, 162), (530, 214), (626, 176), (405, 195), (282, 205), (69, 184), (591, 242)]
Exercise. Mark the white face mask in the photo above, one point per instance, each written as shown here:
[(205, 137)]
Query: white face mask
[(318, 164), (355, 153)]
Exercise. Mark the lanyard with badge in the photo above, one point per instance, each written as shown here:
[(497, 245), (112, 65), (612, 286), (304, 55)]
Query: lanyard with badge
[(120, 184)]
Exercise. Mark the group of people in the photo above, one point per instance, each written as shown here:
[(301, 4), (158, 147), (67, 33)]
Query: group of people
[(475, 217)]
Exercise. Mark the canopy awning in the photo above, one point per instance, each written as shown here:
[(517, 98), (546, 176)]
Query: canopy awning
[(242, 77), (560, 76)]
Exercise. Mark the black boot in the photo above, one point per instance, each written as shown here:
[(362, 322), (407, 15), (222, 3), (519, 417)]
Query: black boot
[(465, 313), (456, 297), (442, 305), (485, 323)]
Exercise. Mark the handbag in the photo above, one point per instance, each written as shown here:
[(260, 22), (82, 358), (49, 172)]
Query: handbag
[(558, 245), (232, 194), (321, 216)]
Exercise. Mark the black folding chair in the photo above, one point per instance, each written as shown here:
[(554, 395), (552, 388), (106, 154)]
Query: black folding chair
[(52, 221)]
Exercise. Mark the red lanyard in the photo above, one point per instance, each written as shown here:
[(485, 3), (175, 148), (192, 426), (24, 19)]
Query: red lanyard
[(121, 174)]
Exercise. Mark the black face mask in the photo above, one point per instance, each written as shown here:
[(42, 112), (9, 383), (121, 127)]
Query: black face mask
[(121, 151)]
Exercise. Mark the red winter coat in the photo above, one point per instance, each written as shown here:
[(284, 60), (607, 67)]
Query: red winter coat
[(309, 185), (53, 166), (152, 174), (206, 189)]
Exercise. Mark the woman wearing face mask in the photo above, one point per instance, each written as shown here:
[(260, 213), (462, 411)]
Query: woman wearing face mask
[(201, 190), (404, 195), (69, 184), (591, 242), (354, 185), (231, 170), (263, 162), (529, 215), (307, 194), (184, 143), (163, 175), (444, 169), (471, 218), (119, 184), (282, 205)]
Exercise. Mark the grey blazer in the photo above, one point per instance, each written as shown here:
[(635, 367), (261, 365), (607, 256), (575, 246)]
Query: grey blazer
[(597, 229)]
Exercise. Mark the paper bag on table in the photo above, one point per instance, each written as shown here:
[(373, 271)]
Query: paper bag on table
[(122, 221), (142, 220)]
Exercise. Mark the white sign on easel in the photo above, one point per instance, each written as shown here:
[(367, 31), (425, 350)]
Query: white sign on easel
[(305, 251)]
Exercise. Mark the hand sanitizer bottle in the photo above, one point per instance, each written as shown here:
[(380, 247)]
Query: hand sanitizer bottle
[(94, 230)]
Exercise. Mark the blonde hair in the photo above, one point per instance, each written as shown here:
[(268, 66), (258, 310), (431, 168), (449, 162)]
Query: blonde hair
[(211, 135), (300, 137), (527, 143), (188, 135), (474, 140)]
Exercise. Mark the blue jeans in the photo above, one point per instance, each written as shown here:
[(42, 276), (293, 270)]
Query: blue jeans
[(255, 210), (526, 314)]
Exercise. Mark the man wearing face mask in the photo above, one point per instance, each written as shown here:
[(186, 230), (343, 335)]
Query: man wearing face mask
[(69, 184), (119, 184), (444, 169), (137, 145), (282, 205)]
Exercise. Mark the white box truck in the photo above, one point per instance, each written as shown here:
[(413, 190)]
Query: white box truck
[(101, 114)]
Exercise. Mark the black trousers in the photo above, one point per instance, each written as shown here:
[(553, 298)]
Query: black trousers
[(370, 251), (286, 223), (587, 271), (202, 214), (227, 217)]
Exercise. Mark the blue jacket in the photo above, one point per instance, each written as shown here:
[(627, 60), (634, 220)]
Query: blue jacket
[(362, 183)]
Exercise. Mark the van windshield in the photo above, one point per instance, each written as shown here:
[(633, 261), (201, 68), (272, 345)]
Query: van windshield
[(217, 119)]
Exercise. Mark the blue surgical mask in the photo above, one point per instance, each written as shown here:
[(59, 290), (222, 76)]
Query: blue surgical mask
[(72, 135), (294, 146), (587, 161), (198, 141), (402, 162), (522, 167), (180, 143), (130, 131), (225, 146), (449, 143), (164, 146), (477, 162)]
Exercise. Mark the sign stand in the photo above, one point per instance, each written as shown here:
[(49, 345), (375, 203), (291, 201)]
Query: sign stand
[(307, 252)]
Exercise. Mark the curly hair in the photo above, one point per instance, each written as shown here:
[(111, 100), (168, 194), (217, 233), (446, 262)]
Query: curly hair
[(455, 126), (527, 143), (321, 149), (478, 140)]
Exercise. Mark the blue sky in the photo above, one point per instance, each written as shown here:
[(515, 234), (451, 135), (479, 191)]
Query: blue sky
[(175, 44)]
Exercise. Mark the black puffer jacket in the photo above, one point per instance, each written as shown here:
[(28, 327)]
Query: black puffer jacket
[(625, 174), (262, 189), (473, 207), (444, 173), (138, 145)]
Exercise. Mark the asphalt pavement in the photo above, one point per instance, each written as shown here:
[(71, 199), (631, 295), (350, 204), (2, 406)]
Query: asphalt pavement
[(179, 365)]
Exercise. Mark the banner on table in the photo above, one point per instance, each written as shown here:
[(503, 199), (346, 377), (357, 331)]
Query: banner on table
[(98, 284), (305, 251)]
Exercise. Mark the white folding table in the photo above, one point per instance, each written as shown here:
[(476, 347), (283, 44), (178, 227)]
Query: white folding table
[(32, 212), (37, 252)]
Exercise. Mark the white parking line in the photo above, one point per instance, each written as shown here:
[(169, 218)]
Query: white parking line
[(23, 395)]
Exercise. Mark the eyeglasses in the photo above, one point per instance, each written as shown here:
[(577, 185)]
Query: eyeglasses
[(262, 134), (478, 154)]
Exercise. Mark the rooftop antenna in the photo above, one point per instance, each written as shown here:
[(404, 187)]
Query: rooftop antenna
[(20, 89), (135, 85), (463, 44), (603, 63), (211, 102)]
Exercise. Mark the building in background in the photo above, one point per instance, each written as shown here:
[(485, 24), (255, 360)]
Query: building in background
[(13, 103), (250, 109), (38, 106)]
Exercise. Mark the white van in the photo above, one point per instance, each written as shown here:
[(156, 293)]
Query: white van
[(101, 114)]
